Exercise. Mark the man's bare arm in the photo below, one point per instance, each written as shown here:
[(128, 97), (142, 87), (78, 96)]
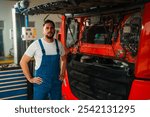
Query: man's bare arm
[(24, 65), (62, 67)]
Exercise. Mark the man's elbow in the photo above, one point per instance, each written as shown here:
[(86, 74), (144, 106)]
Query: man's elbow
[(21, 63)]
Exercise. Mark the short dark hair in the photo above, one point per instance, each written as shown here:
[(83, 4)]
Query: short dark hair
[(49, 21)]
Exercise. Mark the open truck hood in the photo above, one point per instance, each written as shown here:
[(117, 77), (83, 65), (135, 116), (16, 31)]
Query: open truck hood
[(79, 6)]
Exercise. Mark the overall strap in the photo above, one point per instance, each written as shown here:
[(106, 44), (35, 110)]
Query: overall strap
[(42, 47), (57, 48)]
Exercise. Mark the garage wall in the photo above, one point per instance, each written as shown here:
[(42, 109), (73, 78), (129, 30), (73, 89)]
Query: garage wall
[(5, 15)]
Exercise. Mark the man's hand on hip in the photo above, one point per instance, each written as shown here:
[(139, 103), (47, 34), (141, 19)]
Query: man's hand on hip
[(36, 80)]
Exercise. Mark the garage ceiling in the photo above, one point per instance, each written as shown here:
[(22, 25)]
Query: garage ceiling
[(78, 6)]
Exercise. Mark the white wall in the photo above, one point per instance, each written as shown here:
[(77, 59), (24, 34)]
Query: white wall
[(6, 16)]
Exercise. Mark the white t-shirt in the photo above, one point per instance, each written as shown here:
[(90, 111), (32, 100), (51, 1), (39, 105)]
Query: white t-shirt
[(34, 50)]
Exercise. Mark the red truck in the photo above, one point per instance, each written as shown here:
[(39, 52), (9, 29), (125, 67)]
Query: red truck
[(108, 51)]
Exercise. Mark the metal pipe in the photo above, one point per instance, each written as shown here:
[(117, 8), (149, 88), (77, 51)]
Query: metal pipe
[(26, 21), (15, 36)]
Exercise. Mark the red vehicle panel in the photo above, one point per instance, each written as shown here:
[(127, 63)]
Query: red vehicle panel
[(101, 66), (142, 69), (139, 90)]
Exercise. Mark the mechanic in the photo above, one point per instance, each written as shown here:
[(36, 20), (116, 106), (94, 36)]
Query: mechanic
[(50, 63)]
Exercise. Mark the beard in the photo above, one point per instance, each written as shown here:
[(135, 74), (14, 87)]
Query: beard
[(50, 36)]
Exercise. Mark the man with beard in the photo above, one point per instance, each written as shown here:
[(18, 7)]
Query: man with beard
[(50, 63)]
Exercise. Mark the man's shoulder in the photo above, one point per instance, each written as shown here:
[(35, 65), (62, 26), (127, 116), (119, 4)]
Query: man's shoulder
[(36, 41), (34, 44)]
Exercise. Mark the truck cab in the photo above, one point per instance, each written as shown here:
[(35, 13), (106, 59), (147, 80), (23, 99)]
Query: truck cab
[(107, 52)]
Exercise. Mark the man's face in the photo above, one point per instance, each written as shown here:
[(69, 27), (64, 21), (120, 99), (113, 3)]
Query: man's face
[(49, 30)]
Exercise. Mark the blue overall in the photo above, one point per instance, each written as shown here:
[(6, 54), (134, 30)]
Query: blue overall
[(49, 72)]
